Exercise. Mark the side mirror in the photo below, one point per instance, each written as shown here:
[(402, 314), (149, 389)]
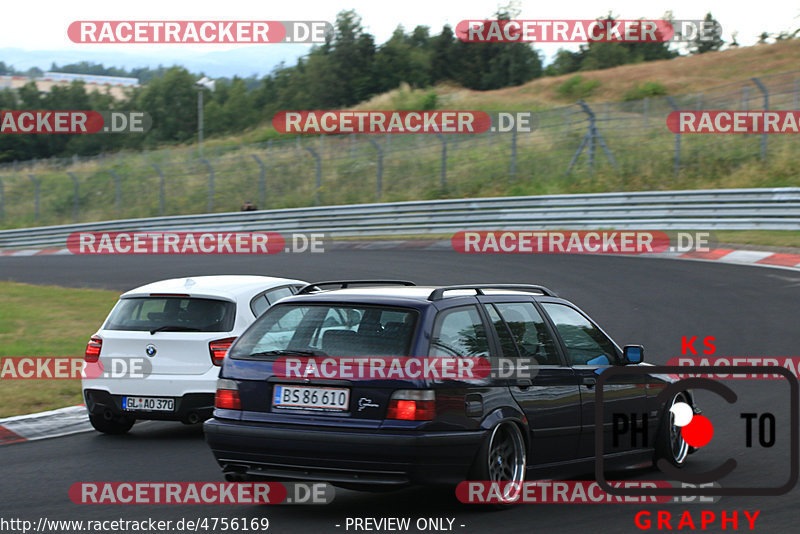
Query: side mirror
[(633, 353)]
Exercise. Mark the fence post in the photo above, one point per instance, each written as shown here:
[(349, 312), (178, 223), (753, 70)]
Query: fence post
[(36, 184), (75, 195), (765, 92), (444, 161), (117, 188), (379, 176), (319, 173), (513, 170), (677, 160), (2, 200), (210, 207), (592, 136), (161, 201), (567, 118), (262, 181)]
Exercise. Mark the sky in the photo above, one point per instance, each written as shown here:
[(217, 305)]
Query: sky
[(41, 25)]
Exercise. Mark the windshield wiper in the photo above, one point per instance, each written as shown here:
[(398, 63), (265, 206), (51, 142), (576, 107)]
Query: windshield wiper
[(288, 352), (174, 328)]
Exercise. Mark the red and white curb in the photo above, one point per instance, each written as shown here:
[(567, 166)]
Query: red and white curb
[(50, 424), (722, 255), (757, 258)]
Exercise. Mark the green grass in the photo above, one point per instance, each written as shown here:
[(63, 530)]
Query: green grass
[(773, 238), (46, 321)]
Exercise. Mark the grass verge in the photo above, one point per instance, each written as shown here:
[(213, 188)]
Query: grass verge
[(46, 321)]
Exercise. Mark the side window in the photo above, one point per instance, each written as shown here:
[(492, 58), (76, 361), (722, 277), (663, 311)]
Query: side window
[(584, 342), (503, 333), (274, 295), (524, 330), (459, 332), (260, 304)]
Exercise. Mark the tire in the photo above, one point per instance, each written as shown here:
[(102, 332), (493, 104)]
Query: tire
[(502, 458), (669, 443), (119, 425)]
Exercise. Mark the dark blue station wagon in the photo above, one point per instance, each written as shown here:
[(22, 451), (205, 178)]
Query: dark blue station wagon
[(536, 422)]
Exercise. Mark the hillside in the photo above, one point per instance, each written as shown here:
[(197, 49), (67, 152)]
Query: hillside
[(685, 74), (279, 171)]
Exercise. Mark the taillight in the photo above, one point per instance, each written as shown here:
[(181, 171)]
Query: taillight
[(412, 405), (227, 396), (219, 349), (93, 347)]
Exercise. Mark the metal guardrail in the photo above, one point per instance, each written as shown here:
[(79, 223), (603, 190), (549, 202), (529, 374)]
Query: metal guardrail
[(721, 209)]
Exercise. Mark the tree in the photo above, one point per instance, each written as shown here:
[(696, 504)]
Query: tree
[(605, 56), (564, 63), (442, 50), (171, 101), (707, 43), (485, 66), (352, 51), (403, 58)]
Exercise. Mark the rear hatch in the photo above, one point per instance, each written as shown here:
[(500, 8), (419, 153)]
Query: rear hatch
[(171, 333), (270, 363)]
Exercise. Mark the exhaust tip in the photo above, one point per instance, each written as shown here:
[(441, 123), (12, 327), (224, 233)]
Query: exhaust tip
[(192, 418), (108, 415)]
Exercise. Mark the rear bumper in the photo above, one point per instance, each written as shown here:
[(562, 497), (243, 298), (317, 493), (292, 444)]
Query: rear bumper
[(343, 455), (157, 385), (189, 408)]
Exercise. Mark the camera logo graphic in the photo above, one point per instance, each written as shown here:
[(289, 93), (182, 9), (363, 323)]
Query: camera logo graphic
[(696, 429)]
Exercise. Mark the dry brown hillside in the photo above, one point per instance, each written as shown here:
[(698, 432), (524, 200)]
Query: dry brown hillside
[(683, 74)]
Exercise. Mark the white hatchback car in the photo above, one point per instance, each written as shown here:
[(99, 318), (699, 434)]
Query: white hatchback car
[(162, 344)]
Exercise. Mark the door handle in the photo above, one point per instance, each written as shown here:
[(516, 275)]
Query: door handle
[(588, 381)]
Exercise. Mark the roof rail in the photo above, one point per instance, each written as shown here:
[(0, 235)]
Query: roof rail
[(346, 283), (438, 293)]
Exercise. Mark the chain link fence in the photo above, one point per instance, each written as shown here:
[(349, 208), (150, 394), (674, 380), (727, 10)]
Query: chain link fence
[(620, 146)]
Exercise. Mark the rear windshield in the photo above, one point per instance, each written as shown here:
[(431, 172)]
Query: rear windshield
[(172, 314), (324, 330)]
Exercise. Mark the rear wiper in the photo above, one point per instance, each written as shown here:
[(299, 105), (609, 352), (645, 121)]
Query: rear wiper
[(174, 328), (298, 352)]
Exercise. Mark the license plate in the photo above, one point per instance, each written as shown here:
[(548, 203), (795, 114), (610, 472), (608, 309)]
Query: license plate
[(149, 404), (311, 398)]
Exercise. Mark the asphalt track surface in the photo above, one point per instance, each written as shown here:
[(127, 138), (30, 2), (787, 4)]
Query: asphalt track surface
[(751, 311)]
